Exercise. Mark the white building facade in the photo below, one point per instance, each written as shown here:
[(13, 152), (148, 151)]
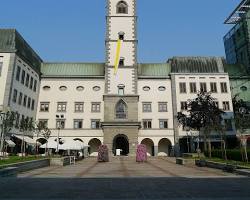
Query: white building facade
[(136, 105)]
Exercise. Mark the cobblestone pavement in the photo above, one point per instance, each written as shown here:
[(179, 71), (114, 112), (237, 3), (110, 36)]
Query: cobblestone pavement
[(123, 178), (125, 167)]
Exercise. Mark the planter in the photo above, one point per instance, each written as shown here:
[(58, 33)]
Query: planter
[(63, 161), (183, 161)]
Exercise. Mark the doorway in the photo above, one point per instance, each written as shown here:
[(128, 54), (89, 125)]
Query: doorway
[(121, 142)]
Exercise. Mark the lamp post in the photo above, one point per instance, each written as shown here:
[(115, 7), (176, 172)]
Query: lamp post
[(58, 117)]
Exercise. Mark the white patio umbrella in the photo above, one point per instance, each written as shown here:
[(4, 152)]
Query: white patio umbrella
[(52, 144), (72, 145)]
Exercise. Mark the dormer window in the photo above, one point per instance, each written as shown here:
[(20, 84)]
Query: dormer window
[(122, 7)]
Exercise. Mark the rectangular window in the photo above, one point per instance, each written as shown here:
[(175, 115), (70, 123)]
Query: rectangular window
[(77, 123), (163, 106), (43, 121), (18, 71), (184, 105), (225, 105), (183, 88), (79, 107), (35, 84), (223, 87), (44, 107), (147, 124), (120, 91), (95, 124), (23, 77), (61, 106), (29, 102), (213, 87), (31, 83), (27, 80), (163, 123), (146, 107), (17, 120), (14, 96), (228, 124), (60, 123), (33, 104), (203, 87), (1, 67), (193, 88), (96, 107), (20, 98), (25, 100)]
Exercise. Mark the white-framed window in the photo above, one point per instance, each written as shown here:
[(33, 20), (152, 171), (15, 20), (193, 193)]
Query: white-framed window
[(35, 85), (163, 123), (25, 100), (23, 77), (27, 80), (31, 82), (95, 123), (95, 107), (43, 121), (32, 104), (203, 87), (147, 123), (213, 87), (60, 123), (79, 106), (20, 98), (18, 71), (184, 105), (147, 107), (193, 88), (44, 107), (183, 88), (78, 123), (61, 106), (163, 107), (121, 89), (225, 105), (14, 98), (29, 103), (223, 87)]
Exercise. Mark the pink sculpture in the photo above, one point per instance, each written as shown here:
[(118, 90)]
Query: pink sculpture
[(141, 153), (103, 154)]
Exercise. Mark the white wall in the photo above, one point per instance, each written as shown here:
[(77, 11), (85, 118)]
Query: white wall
[(5, 58), (71, 95)]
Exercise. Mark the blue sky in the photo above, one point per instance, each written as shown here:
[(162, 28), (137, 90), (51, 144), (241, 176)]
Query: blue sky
[(74, 30)]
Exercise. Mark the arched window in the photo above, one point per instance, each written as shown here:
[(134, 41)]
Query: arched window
[(121, 110), (122, 7)]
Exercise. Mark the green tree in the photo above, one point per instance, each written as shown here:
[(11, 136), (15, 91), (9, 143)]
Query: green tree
[(40, 127), (242, 123), (202, 115), (7, 123), (46, 134)]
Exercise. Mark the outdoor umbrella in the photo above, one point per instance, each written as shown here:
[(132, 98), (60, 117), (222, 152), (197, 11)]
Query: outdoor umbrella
[(52, 144), (71, 145)]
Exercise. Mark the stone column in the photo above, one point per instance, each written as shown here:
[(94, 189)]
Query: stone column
[(156, 150)]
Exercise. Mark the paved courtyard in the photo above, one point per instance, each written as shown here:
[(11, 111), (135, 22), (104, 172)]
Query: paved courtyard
[(125, 167), (122, 178)]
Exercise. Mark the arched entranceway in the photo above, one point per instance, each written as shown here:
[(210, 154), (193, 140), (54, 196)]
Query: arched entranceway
[(164, 147), (149, 145), (121, 142), (93, 146)]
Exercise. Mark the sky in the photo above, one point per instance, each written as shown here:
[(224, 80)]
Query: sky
[(74, 30)]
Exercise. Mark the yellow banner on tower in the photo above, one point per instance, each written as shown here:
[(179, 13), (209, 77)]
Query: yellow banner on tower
[(117, 58)]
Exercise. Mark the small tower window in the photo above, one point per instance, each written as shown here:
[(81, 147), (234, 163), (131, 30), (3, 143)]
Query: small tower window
[(122, 8), (121, 35), (121, 89), (121, 62)]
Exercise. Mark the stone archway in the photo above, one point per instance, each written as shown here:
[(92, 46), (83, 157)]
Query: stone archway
[(93, 146), (149, 145), (121, 142), (164, 147)]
